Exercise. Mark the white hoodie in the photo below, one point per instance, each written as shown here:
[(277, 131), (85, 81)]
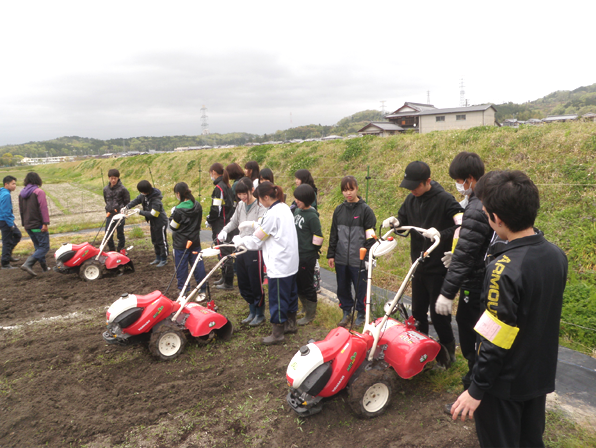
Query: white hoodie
[(276, 237)]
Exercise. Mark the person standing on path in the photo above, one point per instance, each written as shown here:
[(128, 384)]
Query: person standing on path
[(518, 332), (11, 235), (116, 196), (430, 207), (35, 217)]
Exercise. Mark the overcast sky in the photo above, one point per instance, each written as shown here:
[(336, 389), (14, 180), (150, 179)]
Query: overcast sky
[(114, 69)]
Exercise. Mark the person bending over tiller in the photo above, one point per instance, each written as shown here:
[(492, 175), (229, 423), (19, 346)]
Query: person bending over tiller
[(116, 196), (249, 265), (220, 213), (519, 330), (154, 213), (428, 206), (352, 227), (35, 218), (276, 236), (185, 222), (11, 235)]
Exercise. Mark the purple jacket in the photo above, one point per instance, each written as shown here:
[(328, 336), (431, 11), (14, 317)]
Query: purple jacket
[(33, 206)]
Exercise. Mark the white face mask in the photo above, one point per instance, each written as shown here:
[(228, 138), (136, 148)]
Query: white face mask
[(462, 190)]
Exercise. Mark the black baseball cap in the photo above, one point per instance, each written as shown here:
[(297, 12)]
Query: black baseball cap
[(416, 172)]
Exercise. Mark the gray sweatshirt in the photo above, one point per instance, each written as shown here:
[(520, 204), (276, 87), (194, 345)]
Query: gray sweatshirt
[(240, 215)]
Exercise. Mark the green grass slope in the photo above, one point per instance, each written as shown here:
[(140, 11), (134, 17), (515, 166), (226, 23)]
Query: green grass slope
[(558, 157)]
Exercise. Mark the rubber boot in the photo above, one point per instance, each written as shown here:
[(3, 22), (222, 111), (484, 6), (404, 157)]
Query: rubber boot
[(44, 266), (291, 324), (162, 262), (311, 310), (225, 286), (259, 316), (219, 282), (276, 336), (251, 314), (28, 265), (156, 261), (345, 321), (360, 319)]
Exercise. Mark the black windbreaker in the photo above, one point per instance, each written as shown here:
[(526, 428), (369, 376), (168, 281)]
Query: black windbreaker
[(185, 224), (435, 208), (523, 289), (351, 221), (153, 210), (222, 206), (115, 197), (468, 265)]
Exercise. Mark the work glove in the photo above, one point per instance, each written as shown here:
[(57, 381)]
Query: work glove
[(172, 211), (222, 236), (207, 225), (123, 210), (247, 225), (443, 305), (374, 264), (431, 233), (391, 222), (237, 240), (447, 259)]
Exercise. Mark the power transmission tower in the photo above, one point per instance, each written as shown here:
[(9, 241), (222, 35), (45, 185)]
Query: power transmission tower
[(383, 107), (204, 123), (428, 97), (462, 94)]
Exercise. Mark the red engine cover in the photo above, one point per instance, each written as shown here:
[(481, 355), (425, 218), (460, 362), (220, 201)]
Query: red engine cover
[(84, 251), (408, 351), (347, 351), (115, 259), (201, 321), (153, 313)]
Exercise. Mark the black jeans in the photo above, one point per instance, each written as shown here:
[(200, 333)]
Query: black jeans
[(305, 279), (10, 238), (468, 313), (510, 423), (119, 232), (425, 291)]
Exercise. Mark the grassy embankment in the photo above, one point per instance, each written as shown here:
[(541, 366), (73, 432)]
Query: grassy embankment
[(558, 157)]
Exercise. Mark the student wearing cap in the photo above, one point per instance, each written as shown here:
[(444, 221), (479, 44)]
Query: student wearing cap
[(428, 206)]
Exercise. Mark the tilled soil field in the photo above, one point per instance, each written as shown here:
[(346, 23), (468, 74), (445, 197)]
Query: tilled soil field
[(62, 385)]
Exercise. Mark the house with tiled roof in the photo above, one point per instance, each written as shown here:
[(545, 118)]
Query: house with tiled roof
[(381, 129)]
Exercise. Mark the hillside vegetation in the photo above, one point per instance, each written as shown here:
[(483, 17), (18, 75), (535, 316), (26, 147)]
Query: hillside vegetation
[(558, 157)]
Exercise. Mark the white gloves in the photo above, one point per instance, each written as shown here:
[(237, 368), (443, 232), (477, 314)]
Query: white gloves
[(447, 259), (431, 233), (443, 305), (248, 225), (222, 236), (207, 225), (123, 210), (374, 264), (237, 240), (391, 222)]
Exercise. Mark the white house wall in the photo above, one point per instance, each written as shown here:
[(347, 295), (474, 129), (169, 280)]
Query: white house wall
[(429, 123)]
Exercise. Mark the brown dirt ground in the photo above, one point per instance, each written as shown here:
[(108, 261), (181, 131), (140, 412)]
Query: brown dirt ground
[(61, 385)]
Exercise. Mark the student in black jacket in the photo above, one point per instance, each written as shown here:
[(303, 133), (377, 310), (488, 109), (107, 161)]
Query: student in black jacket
[(150, 198), (428, 206), (185, 222), (352, 227), (466, 262), (220, 213), (519, 329), (116, 196)]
